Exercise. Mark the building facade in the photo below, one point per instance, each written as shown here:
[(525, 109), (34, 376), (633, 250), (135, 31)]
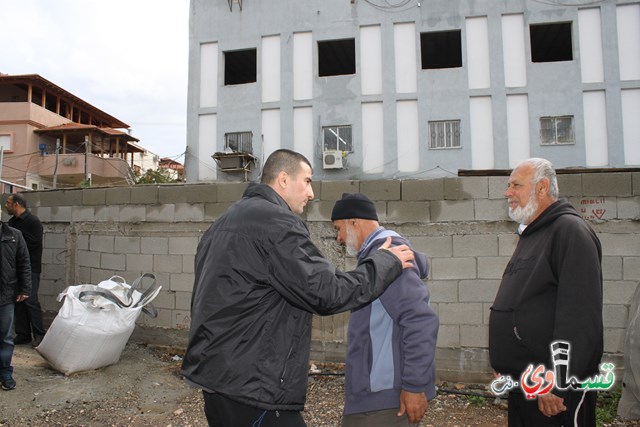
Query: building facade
[(373, 89)]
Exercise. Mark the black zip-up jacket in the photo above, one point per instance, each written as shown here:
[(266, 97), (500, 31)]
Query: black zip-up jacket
[(15, 273), (31, 229), (551, 290), (258, 279)]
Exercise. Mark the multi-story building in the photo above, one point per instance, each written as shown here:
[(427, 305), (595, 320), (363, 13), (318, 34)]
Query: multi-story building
[(50, 138), (372, 89)]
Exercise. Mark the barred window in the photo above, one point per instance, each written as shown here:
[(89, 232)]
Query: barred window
[(444, 134), (337, 138), (557, 130), (238, 142)]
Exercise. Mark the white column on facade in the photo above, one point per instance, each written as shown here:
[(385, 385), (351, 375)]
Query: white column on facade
[(270, 69), (631, 126), (270, 132), (408, 142), (303, 132), (302, 66), (372, 138), (513, 51), (519, 140), (481, 121), (478, 52), (629, 41), (371, 60), (404, 42), (595, 128), (208, 75), (207, 130), (591, 54)]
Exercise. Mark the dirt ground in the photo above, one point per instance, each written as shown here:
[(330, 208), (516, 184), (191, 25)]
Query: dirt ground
[(145, 390)]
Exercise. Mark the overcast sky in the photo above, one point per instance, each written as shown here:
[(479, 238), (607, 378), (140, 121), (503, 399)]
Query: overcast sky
[(125, 57)]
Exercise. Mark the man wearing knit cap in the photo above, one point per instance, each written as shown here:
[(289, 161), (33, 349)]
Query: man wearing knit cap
[(390, 368)]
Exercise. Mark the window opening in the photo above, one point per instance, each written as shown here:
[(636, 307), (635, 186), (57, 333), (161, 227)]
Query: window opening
[(441, 49), (336, 57), (551, 42), (240, 67)]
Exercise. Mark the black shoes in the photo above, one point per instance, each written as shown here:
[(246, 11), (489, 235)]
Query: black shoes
[(21, 339), (9, 384), (36, 341)]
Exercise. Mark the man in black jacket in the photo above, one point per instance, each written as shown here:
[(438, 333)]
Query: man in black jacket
[(28, 317), (551, 291), (258, 279), (15, 286)]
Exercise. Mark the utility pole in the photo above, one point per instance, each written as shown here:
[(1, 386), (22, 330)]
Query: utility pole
[(86, 153), (55, 168)]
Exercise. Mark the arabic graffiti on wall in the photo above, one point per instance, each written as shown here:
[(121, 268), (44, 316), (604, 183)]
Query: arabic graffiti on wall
[(596, 209)]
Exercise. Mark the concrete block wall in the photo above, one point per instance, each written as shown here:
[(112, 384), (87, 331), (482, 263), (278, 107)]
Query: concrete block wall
[(461, 223)]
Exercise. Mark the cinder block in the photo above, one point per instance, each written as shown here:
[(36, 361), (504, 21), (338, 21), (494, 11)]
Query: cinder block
[(60, 214), (144, 194), (183, 245), (497, 187), (188, 263), (381, 189), (70, 197), (631, 267), (50, 198), (163, 320), (316, 187), (201, 192), (433, 246), (606, 184), (478, 290), (126, 245), (635, 180), (107, 213), (596, 209), (213, 211), (475, 245), (612, 268), (486, 312), (491, 210), (469, 313), (448, 336), (454, 210), (443, 291), (113, 262), (466, 188), (474, 336), (55, 240), (570, 185), (83, 213), (154, 245), (616, 292), (32, 198), (160, 213), (183, 300), (230, 191), (189, 213), (181, 319), (614, 340), (165, 300), (87, 259), (615, 316), (332, 190), (182, 282), (423, 189), (98, 243), (42, 212), (507, 243), (167, 263), (619, 244), (629, 208), (403, 212), (132, 214), (172, 194), (118, 195), (319, 210), (139, 262), (453, 268), (491, 267), (97, 275), (82, 241), (94, 196)]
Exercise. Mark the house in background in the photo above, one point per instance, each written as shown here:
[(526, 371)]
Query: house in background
[(174, 169), (38, 118), (378, 89)]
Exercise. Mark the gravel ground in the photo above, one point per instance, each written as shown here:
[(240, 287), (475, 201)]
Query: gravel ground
[(145, 390)]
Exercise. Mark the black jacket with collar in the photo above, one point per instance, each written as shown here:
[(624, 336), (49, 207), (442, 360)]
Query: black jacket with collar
[(31, 229), (15, 276), (258, 279), (551, 290)]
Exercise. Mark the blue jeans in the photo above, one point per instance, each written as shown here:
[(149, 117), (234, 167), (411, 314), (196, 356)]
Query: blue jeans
[(6, 343)]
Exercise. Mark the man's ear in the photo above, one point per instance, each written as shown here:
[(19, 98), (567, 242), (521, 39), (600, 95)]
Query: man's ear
[(282, 179), (543, 188)]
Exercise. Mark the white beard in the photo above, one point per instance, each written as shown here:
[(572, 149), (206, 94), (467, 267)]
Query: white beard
[(351, 243), (523, 215)]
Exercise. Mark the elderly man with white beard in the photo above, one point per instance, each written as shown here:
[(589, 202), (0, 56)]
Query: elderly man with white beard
[(551, 290)]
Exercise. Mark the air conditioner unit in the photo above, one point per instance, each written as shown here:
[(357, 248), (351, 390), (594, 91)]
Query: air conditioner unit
[(332, 159)]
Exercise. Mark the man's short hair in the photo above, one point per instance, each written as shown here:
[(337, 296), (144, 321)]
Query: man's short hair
[(543, 168), (19, 199), (282, 160)]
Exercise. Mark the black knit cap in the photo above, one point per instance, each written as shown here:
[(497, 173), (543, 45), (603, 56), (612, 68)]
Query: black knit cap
[(354, 205)]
